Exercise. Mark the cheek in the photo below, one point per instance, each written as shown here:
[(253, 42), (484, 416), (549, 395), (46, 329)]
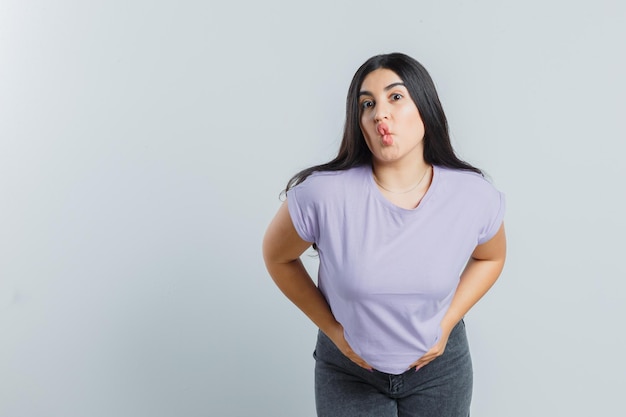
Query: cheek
[(363, 125), (366, 121), (366, 135), (420, 127), (416, 120)]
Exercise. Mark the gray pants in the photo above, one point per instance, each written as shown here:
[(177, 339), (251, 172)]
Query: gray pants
[(443, 388)]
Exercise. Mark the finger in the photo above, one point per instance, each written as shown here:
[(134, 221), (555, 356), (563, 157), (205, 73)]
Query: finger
[(347, 351), (427, 357), (422, 364), (350, 354), (423, 361), (360, 361), (365, 365)]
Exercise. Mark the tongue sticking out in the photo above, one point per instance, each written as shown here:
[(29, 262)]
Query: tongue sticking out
[(387, 139)]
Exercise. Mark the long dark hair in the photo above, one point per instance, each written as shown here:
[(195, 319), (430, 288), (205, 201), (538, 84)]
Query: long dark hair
[(354, 151)]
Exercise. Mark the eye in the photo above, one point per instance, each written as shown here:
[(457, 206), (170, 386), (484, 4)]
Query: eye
[(396, 96), (366, 104)]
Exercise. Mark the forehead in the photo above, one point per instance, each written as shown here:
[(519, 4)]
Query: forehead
[(379, 79)]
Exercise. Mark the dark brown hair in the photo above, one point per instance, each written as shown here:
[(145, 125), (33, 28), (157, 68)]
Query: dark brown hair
[(353, 150)]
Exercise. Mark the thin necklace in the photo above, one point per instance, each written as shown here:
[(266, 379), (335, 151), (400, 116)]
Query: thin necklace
[(401, 192)]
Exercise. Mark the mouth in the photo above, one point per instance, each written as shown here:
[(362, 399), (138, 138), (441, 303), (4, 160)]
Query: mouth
[(383, 129), (386, 137)]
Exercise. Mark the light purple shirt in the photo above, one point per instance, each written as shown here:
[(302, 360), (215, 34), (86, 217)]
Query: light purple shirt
[(389, 273)]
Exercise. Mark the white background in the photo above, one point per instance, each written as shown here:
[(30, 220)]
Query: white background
[(143, 146)]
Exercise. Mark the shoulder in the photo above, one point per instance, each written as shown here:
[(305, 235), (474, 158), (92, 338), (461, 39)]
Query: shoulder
[(468, 190), (321, 196), (471, 195), (465, 182), (326, 183)]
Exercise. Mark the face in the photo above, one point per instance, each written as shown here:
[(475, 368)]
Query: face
[(389, 119)]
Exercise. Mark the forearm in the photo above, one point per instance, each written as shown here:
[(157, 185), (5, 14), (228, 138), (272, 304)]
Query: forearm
[(479, 275), (294, 281), (477, 278)]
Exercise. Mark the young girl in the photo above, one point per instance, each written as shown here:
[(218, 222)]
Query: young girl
[(409, 238)]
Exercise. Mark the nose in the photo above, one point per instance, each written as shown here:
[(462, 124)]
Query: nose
[(382, 112)]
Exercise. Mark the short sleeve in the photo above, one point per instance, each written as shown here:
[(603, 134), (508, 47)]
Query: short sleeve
[(494, 211), (303, 212)]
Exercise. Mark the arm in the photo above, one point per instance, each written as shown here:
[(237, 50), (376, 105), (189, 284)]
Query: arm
[(479, 275), (282, 247)]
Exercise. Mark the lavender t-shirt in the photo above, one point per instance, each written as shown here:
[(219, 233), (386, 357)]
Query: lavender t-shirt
[(389, 273)]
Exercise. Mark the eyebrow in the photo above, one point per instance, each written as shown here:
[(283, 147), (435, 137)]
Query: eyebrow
[(389, 87)]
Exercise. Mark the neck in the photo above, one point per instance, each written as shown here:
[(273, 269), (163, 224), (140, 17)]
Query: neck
[(400, 178)]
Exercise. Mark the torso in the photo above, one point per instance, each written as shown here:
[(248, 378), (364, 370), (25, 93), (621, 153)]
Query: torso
[(389, 263)]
